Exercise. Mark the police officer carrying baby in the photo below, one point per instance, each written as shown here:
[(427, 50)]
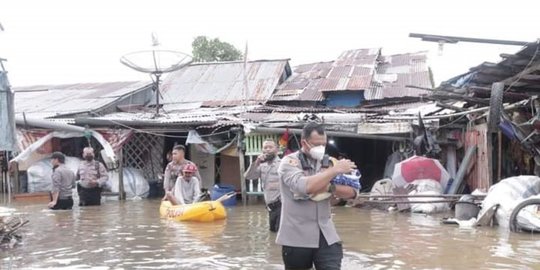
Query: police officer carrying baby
[(307, 233)]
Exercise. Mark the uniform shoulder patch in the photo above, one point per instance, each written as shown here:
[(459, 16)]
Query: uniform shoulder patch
[(292, 162)]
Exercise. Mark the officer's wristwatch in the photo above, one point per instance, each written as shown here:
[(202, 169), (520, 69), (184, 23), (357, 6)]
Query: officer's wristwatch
[(332, 188)]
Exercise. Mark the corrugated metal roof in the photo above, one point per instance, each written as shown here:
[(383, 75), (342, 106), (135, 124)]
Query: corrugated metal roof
[(42, 101), (190, 116), (358, 70), (397, 71), (352, 70), (222, 84)]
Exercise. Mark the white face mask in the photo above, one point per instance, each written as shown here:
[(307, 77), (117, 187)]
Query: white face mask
[(317, 152)]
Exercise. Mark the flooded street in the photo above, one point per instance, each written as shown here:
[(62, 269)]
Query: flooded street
[(131, 235)]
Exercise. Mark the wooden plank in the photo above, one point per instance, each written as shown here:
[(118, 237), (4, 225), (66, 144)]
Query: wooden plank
[(526, 71), (34, 197)]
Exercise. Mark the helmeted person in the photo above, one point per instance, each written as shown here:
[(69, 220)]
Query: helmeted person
[(307, 233), (265, 168), (187, 188), (175, 167), (63, 181), (93, 177)]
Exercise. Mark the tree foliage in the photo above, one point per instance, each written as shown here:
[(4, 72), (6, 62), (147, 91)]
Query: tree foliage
[(212, 50)]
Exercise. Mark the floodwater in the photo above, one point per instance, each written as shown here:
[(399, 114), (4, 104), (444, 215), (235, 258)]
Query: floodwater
[(131, 235)]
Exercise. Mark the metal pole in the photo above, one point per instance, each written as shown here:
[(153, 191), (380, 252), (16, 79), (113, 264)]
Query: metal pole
[(157, 93), (409, 202), (454, 39), (22, 120), (367, 196)]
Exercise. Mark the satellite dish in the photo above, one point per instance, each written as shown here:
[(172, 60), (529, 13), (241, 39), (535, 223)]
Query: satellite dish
[(155, 61)]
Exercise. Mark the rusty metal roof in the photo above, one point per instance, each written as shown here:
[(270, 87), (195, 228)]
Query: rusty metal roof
[(43, 101), (352, 70), (397, 71), (222, 84), (358, 70)]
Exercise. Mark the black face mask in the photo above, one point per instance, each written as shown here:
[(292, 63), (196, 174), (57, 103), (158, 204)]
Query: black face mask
[(88, 158), (269, 156), (55, 166)]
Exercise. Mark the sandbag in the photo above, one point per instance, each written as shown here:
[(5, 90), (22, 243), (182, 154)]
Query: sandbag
[(427, 187)]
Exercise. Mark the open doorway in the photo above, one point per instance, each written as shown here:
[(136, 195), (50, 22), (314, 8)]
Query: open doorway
[(369, 155)]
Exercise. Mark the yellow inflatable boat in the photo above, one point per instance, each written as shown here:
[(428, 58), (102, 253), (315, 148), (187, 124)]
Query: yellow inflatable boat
[(201, 211), (198, 211)]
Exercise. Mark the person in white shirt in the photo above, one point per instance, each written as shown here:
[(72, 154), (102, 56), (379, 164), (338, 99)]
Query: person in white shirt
[(187, 188)]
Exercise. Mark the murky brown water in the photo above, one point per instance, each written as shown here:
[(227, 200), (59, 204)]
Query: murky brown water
[(131, 235)]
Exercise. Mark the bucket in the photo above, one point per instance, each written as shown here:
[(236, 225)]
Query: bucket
[(220, 190), (466, 210)]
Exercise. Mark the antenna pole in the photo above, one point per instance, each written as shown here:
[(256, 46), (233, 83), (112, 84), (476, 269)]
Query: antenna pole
[(157, 93)]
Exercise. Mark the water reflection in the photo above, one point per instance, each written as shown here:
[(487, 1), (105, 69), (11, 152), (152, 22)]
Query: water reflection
[(130, 235)]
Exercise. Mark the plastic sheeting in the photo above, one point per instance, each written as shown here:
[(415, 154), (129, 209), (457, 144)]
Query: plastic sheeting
[(507, 194), (205, 146), (39, 174), (32, 154), (135, 185), (7, 116), (39, 178)]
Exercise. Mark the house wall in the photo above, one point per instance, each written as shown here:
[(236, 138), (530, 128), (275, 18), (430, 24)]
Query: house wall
[(230, 171), (344, 98), (206, 165), (479, 175)]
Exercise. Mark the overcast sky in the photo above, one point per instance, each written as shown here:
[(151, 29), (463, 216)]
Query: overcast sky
[(53, 42)]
